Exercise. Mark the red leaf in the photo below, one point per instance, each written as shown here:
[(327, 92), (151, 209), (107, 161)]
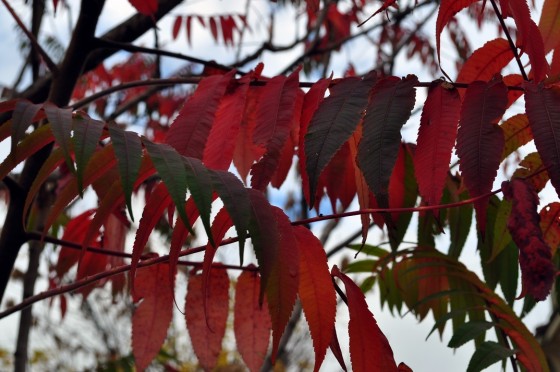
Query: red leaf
[(177, 26), (535, 257), (180, 234), (337, 352), (360, 182), (480, 142), (220, 147), (74, 231), (282, 285), (529, 38), (246, 152), (369, 348), (227, 24), (316, 291), (264, 235), (311, 101), (274, 120), (333, 123), (214, 28), (189, 131), (486, 61), (146, 7), (220, 226), (151, 318), (436, 137), (157, 203), (188, 28), (251, 322), (549, 24), (447, 10), (543, 109), (392, 100), (339, 177), (550, 225), (207, 330)]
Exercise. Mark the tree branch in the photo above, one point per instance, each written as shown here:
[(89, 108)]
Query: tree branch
[(510, 40), (34, 43)]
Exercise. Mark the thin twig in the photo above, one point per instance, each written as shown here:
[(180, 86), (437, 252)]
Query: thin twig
[(510, 40), (109, 44), (35, 44)]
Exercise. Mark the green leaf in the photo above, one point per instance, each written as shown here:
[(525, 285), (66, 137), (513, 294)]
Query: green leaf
[(22, 117), (468, 331), (486, 354), (200, 187), (501, 236), (370, 250), (459, 218), (128, 150), (61, 126), (169, 164), (361, 266), (87, 132), (236, 201), (507, 263)]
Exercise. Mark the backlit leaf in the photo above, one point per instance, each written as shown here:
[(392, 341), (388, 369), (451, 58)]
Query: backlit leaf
[(532, 169), (549, 24), (369, 348), (151, 318), (517, 133), (207, 330), (189, 131), (146, 7), (251, 322), (316, 291), (487, 61), (550, 225), (274, 121), (157, 203), (436, 138), (200, 187), (283, 281), (218, 153), (447, 10)]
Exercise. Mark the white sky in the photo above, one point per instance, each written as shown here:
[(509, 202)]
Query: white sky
[(405, 335)]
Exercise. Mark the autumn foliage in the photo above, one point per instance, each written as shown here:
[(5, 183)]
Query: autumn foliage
[(208, 156)]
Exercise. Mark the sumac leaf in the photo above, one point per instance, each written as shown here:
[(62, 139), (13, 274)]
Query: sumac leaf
[(369, 348), (316, 291), (480, 140), (543, 109), (87, 132), (436, 137), (486, 61), (392, 101), (61, 126), (550, 225), (332, 124), (189, 131), (151, 318), (486, 354), (517, 133), (128, 150), (207, 329), (251, 322)]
